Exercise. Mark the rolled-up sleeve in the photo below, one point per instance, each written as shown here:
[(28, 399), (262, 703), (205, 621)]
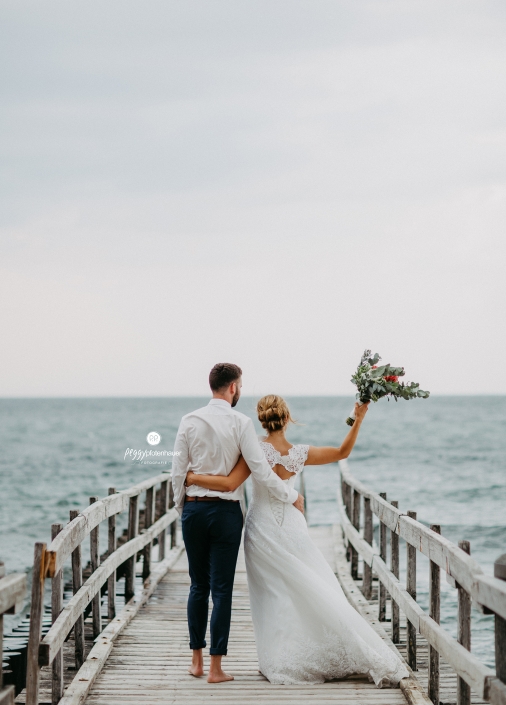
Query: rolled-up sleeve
[(260, 468), (180, 467)]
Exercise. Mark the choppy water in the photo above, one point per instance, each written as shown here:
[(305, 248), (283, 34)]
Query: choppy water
[(443, 457)]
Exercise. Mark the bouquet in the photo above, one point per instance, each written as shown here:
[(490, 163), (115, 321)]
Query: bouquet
[(373, 382)]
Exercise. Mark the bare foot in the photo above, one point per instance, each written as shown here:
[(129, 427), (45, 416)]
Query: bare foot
[(196, 671), (219, 677)]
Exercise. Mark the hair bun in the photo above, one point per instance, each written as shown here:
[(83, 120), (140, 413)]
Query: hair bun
[(273, 413)]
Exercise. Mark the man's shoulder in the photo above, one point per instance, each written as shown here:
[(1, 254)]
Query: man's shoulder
[(242, 417)]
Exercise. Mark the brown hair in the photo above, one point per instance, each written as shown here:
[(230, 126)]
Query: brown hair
[(223, 374), (273, 413)]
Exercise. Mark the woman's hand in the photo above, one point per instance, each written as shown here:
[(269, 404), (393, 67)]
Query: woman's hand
[(361, 411), (190, 476)]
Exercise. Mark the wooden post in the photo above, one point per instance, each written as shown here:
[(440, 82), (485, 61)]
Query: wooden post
[(173, 526), (368, 536), (382, 599), (111, 547), (133, 530), (434, 613), (411, 589), (346, 493), (162, 538), (149, 514), (77, 581), (56, 608), (95, 562), (394, 567), (356, 523), (36, 615), (464, 631), (500, 625)]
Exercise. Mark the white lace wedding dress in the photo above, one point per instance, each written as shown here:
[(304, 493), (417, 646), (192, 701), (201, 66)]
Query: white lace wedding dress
[(306, 631)]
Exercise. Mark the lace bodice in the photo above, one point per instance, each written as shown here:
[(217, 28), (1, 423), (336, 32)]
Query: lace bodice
[(293, 462)]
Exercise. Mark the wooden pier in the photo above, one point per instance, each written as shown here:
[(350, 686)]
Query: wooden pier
[(133, 645)]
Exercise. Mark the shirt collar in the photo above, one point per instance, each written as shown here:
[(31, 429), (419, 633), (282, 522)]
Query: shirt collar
[(219, 402)]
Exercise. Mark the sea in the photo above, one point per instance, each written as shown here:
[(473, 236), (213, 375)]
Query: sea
[(444, 457)]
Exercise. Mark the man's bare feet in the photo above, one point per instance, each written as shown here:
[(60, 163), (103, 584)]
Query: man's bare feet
[(219, 677), (197, 667), (196, 671), (216, 673)]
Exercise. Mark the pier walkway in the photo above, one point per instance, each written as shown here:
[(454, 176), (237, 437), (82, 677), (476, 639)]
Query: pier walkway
[(121, 635), (149, 660)]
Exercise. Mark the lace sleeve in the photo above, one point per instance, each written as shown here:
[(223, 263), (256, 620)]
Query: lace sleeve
[(271, 454), (300, 457)]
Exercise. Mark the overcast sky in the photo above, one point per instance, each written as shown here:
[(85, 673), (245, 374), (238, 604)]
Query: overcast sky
[(275, 183)]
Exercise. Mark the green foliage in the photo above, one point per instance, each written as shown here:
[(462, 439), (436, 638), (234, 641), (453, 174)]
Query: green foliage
[(372, 385)]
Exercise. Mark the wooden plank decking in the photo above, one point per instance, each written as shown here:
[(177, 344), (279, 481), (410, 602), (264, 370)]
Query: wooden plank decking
[(149, 661)]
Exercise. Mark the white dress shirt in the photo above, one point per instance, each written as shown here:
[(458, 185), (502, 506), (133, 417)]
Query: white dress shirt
[(210, 441)]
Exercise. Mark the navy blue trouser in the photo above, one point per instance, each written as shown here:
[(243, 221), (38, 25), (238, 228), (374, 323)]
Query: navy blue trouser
[(212, 536)]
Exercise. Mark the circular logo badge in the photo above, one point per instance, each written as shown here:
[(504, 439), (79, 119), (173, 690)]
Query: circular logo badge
[(153, 438)]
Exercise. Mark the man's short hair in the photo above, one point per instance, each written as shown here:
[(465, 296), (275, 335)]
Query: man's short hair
[(223, 374)]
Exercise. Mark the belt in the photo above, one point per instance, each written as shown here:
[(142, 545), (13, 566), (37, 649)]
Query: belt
[(208, 499)]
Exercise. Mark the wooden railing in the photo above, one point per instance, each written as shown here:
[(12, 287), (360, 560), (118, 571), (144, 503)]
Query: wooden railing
[(12, 596), (49, 562), (463, 572)]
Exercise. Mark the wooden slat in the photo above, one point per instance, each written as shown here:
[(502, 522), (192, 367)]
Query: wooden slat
[(56, 608), (12, 592), (36, 611), (7, 695)]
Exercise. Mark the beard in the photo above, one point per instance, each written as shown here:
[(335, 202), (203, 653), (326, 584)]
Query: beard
[(235, 399)]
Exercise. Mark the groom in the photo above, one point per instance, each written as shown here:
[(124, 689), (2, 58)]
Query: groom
[(210, 440)]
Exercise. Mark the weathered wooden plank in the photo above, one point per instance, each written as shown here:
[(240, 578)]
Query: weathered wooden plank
[(394, 567), (12, 592), (36, 612), (78, 617), (149, 515), (355, 520), (173, 527), (133, 530), (56, 608), (411, 590), (434, 613), (382, 598), (368, 537), (7, 695), (464, 631), (162, 537), (111, 547), (95, 562)]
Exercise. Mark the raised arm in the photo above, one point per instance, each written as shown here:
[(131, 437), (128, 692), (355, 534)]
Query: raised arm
[(328, 454), (239, 473)]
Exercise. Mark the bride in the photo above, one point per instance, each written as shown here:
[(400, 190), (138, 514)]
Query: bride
[(306, 631)]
